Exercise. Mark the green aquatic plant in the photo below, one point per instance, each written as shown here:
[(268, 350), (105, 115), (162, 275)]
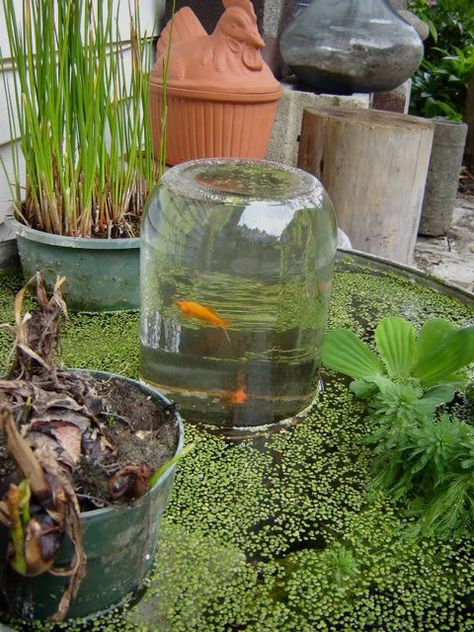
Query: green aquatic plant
[(242, 543), (433, 362), (427, 461), (430, 463)]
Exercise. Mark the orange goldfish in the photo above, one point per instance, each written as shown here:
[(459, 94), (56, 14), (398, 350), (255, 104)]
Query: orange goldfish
[(238, 397), (204, 313)]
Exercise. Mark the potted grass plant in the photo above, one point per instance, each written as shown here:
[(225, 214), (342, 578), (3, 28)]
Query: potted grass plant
[(79, 108)]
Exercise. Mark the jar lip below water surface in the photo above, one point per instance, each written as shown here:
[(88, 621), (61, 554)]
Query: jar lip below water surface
[(230, 179)]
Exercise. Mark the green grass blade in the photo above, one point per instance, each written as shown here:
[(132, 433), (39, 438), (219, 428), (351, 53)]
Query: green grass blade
[(157, 474), (72, 92)]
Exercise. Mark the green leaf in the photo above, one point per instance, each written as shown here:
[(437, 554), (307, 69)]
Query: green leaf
[(445, 355), (157, 474), (432, 334), (362, 389), (395, 341), (343, 351), (431, 338), (440, 394)]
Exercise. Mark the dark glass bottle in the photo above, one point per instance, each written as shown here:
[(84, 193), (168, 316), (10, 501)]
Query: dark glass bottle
[(346, 46)]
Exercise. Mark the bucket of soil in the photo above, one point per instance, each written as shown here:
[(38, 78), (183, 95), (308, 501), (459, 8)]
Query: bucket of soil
[(87, 463)]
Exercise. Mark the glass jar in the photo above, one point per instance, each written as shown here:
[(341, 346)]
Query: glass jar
[(346, 46), (236, 268)]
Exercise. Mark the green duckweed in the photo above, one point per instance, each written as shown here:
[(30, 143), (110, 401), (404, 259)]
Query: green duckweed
[(277, 532)]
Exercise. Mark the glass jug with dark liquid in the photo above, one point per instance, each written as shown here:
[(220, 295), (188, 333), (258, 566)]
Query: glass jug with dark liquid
[(346, 46), (236, 268)]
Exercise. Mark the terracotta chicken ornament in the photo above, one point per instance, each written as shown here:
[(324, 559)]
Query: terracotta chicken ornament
[(221, 95), (231, 51)]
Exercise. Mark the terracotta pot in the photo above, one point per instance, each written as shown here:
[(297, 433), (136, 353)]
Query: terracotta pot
[(212, 125), (221, 96)]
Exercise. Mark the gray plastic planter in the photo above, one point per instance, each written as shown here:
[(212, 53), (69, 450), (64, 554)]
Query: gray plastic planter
[(101, 274)]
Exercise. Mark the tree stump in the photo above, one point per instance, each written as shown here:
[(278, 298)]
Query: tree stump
[(373, 164)]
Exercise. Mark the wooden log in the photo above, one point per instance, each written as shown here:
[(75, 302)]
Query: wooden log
[(373, 164)]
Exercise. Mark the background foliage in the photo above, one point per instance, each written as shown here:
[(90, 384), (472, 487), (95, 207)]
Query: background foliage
[(439, 85)]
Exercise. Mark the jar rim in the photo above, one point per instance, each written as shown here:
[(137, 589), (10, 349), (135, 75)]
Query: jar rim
[(228, 180)]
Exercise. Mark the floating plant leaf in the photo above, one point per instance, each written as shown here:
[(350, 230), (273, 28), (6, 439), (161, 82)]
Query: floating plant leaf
[(432, 335), (395, 341), (343, 351), (440, 356), (362, 389), (441, 393), (435, 359)]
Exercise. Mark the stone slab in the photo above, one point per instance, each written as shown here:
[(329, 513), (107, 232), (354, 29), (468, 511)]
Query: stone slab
[(283, 145), (451, 258)]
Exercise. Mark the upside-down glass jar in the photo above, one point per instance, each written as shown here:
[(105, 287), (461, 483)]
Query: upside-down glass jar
[(236, 268)]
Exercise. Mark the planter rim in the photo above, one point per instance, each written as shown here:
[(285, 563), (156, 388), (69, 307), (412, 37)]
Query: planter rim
[(85, 243), (440, 120), (85, 516), (211, 95)]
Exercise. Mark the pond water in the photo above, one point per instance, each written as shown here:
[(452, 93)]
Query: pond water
[(280, 532)]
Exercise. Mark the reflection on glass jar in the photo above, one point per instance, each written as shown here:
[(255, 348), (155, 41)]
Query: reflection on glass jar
[(236, 270)]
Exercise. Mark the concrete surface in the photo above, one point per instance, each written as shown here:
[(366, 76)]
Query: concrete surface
[(451, 257)]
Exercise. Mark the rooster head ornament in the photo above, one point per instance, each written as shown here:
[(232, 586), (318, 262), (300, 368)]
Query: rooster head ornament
[(230, 55)]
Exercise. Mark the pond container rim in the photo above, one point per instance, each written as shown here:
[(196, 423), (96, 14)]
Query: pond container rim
[(409, 272)]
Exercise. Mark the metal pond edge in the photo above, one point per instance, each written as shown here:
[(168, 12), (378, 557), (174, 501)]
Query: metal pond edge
[(408, 272)]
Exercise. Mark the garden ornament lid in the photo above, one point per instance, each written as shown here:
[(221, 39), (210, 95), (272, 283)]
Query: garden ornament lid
[(226, 62)]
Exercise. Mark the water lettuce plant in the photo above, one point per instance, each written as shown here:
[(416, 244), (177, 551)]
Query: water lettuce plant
[(433, 362), (427, 460)]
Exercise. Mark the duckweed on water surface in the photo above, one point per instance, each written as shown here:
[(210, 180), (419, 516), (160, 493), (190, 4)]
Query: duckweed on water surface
[(278, 532)]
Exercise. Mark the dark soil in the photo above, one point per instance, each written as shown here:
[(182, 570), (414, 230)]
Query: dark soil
[(466, 183), (139, 430)]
